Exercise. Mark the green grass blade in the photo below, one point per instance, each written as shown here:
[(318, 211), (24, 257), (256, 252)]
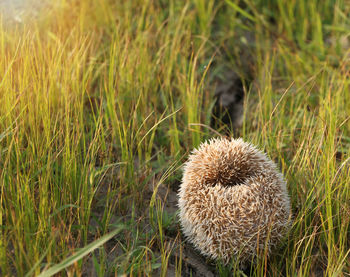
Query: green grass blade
[(80, 254), (241, 11)]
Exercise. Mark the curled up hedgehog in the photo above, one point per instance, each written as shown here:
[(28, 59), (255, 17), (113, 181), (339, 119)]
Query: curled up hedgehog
[(233, 201)]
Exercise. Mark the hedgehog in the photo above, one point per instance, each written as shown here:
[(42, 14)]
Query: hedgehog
[(233, 201)]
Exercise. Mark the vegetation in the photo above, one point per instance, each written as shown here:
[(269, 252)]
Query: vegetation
[(101, 102)]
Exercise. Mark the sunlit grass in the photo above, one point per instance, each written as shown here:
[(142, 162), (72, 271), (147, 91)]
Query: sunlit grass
[(101, 101)]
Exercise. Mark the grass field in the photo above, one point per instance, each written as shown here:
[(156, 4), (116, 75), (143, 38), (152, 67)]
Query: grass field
[(102, 101)]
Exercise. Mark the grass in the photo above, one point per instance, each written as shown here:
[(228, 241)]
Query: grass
[(101, 102)]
